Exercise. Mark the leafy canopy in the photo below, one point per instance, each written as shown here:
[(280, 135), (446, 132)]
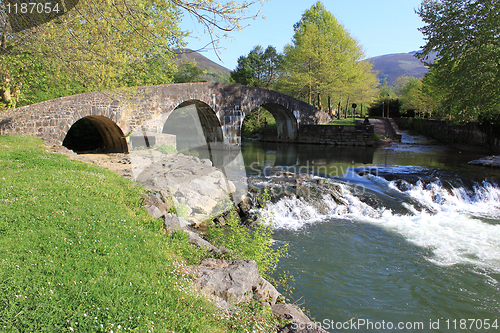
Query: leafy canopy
[(103, 45), (261, 68), (466, 36), (324, 59)]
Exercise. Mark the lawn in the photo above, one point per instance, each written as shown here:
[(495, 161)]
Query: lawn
[(344, 122), (78, 253)]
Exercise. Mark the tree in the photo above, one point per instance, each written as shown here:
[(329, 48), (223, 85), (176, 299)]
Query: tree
[(324, 60), (188, 72), (95, 43), (466, 36), (105, 44), (409, 91), (261, 68)]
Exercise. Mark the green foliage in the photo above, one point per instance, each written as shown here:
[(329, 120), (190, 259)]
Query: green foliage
[(324, 60), (255, 122), (284, 282), (181, 210), (465, 36), (259, 69), (101, 45), (79, 254), (188, 72), (386, 91), (166, 149), (95, 46), (215, 76), (247, 243)]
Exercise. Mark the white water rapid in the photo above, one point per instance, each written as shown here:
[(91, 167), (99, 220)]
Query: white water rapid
[(457, 225)]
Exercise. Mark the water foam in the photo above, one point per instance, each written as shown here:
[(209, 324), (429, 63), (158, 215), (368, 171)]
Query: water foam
[(459, 226)]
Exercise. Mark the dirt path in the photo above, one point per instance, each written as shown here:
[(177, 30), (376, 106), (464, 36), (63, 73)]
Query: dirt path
[(117, 163), (382, 128)]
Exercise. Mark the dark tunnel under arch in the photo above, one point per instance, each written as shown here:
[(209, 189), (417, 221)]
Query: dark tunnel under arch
[(97, 134)]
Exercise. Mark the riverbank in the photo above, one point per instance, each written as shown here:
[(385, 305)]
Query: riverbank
[(471, 136), (97, 229), (80, 254)]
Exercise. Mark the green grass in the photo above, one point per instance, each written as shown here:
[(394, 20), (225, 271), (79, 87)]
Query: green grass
[(77, 253), (344, 122)]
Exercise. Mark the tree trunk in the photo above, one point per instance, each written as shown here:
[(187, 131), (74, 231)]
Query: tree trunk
[(346, 108), (329, 105)]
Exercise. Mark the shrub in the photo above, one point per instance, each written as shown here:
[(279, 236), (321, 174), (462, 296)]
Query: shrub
[(249, 243)]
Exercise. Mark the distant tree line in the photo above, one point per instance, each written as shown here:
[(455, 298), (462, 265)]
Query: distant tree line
[(322, 65)]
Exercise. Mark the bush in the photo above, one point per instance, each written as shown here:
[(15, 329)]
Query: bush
[(166, 149), (249, 243)]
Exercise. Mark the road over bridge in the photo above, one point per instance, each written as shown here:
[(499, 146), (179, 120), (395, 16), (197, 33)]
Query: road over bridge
[(121, 114)]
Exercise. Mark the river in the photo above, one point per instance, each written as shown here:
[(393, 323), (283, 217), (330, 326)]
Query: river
[(416, 246)]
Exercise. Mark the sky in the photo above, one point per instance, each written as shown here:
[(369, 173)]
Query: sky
[(380, 26)]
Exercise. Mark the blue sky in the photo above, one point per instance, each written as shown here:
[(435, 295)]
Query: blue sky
[(380, 26)]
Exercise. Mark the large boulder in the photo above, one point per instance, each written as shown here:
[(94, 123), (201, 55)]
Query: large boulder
[(231, 280), (196, 186), (300, 323), (234, 281)]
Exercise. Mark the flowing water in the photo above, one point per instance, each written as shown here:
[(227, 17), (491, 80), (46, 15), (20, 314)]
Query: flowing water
[(415, 246)]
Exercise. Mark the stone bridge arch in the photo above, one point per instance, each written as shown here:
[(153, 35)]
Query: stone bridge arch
[(132, 109), (112, 137), (203, 120)]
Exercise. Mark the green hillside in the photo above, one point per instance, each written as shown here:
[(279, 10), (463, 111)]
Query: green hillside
[(215, 72), (392, 66)]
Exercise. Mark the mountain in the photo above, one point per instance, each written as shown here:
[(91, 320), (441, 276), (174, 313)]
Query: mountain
[(392, 66), (389, 66), (215, 72)]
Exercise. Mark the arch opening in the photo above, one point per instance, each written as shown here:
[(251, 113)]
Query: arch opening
[(259, 124), (286, 127), (197, 129), (95, 134)]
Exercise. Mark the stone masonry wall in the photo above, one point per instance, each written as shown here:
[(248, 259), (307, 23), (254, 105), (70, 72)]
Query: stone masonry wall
[(362, 135), (469, 134)]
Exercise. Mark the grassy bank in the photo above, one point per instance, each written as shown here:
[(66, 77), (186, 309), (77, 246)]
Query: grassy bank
[(344, 122), (77, 253)]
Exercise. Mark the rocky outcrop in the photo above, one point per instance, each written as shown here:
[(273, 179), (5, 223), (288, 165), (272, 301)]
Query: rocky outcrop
[(231, 282), (300, 323), (489, 161), (227, 282), (198, 190), (282, 182)]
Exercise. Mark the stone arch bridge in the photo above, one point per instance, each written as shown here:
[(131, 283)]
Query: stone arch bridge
[(117, 114)]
